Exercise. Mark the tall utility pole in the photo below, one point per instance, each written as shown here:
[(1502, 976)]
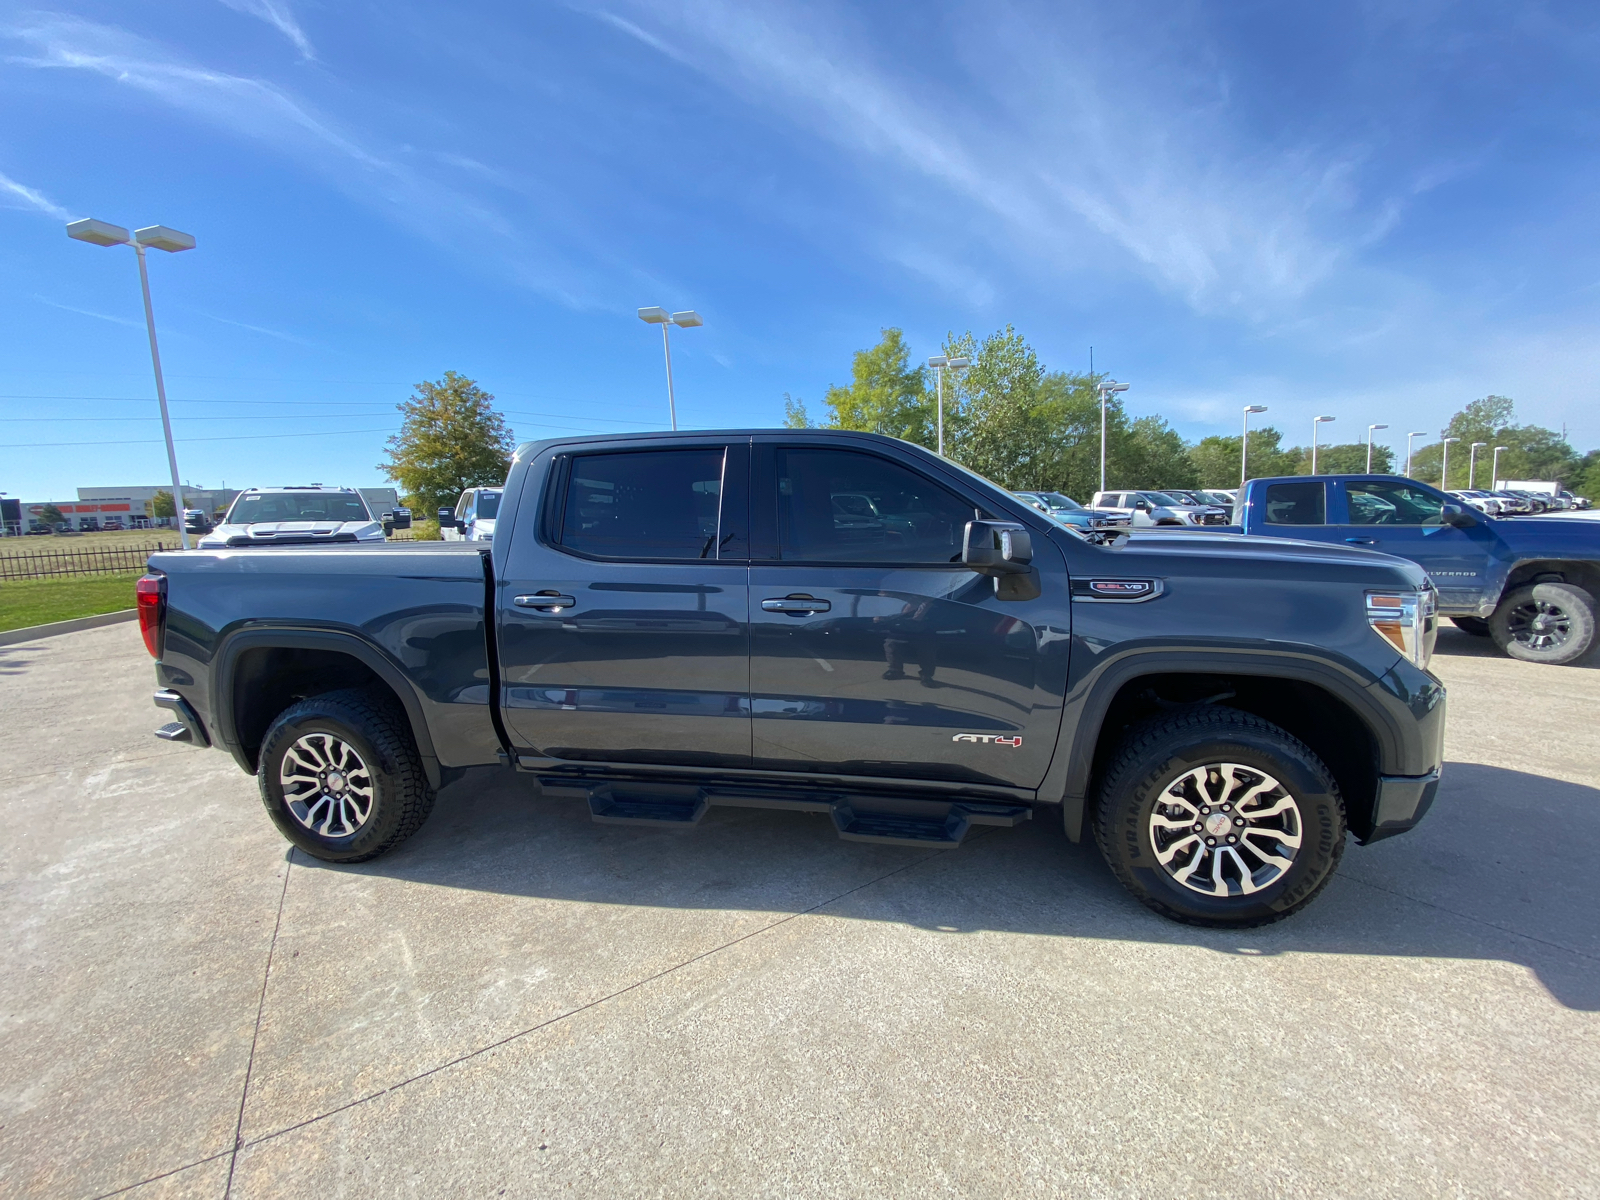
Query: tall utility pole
[(1494, 484), (1316, 424), (688, 319), (103, 233), (1370, 428), (940, 365), (1409, 436), (1244, 445), (1444, 469), (1472, 465), (1108, 387)]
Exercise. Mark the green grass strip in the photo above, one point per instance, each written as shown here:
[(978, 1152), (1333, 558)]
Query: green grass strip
[(25, 602)]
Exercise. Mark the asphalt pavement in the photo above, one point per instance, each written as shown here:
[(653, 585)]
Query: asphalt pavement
[(522, 1003)]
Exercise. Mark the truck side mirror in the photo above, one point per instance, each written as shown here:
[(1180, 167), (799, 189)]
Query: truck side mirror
[(997, 548), (447, 518), (1454, 514), (1142, 505)]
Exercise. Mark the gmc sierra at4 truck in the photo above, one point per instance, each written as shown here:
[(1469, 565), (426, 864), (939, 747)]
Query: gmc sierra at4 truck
[(667, 622), (1529, 583)]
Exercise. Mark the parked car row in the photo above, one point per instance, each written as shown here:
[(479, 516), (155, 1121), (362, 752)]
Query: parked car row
[(1514, 502)]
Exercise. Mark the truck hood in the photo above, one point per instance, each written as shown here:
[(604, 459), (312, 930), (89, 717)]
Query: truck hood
[(289, 533), (1550, 536), (1258, 557)]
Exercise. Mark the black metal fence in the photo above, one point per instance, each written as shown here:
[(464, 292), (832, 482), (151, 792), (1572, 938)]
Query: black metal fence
[(91, 560)]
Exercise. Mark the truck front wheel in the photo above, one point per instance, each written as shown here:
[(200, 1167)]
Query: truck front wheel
[(341, 778), (1545, 623), (1215, 817)]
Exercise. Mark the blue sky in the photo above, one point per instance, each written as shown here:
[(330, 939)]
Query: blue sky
[(1373, 210)]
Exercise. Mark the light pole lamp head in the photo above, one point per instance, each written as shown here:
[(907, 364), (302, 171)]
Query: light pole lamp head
[(1255, 408), (938, 362), (1418, 433), (1370, 428), (99, 233), (654, 316), (1448, 441), (1320, 420), (688, 319), (1477, 445), (159, 237), (958, 364)]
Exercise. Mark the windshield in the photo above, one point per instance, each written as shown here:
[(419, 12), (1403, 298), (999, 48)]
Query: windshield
[(1162, 498), (1057, 500), (488, 505), (254, 507)]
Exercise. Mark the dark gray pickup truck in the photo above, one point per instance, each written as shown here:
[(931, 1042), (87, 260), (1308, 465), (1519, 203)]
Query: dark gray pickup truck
[(825, 622)]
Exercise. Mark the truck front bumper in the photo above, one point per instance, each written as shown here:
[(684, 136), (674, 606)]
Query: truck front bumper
[(1401, 802)]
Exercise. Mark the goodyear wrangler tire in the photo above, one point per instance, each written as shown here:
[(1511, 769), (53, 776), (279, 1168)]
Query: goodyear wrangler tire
[(341, 778), (1215, 817)]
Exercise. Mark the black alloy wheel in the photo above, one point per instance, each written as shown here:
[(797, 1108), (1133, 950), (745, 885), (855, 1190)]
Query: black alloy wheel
[(1550, 623)]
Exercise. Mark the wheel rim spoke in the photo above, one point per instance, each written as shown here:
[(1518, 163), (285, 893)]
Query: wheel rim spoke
[(327, 787), (1191, 824)]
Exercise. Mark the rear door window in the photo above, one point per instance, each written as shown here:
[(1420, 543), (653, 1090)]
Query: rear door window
[(646, 504), (845, 506), (1296, 504)]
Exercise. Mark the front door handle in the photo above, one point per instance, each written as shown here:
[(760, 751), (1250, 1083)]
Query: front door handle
[(797, 606), (1362, 541), (545, 602)]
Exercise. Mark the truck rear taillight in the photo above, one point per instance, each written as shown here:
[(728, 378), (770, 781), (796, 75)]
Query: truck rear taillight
[(151, 594)]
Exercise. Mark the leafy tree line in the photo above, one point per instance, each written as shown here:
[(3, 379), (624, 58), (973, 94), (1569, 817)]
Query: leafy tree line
[(1023, 426), (451, 439)]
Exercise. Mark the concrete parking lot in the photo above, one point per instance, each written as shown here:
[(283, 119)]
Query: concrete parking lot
[(520, 1002)]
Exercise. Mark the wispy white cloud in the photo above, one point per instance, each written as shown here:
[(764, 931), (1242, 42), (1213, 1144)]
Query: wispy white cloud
[(260, 110), (89, 312), (279, 17), (1066, 160), (20, 195), (261, 329)]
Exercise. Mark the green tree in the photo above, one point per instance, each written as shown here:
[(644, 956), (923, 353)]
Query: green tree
[(52, 516), (1345, 458), (886, 394), (163, 505), (1531, 451), (794, 413), (1586, 480), (1217, 458), (451, 439), (1156, 457)]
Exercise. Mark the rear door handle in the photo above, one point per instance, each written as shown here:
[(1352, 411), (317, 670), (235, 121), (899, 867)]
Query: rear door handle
[(548, 602), (1362, 541), (796, 605)]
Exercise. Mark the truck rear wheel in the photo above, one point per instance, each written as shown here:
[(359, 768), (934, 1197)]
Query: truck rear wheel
[(1215, 817), (341, 778), (1545, 623)]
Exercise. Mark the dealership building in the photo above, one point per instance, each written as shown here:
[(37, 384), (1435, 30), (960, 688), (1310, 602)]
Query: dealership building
[(100, 508)]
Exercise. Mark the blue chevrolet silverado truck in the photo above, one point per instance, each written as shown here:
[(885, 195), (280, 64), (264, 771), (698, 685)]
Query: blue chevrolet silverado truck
[(668, 622), (1529, 583)]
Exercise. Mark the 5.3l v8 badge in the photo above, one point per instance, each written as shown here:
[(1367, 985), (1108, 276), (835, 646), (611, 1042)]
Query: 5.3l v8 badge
[(987, 737)]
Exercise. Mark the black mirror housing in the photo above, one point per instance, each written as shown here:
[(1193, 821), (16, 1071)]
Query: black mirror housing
[(997, 548), (447, 518)]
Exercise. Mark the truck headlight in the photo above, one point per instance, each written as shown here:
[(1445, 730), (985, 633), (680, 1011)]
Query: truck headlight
[(1408, 621)]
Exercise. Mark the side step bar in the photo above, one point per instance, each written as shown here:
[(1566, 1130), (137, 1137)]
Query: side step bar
[(888, 821)]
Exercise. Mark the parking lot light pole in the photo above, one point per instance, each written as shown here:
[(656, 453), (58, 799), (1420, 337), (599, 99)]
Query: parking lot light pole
[(103, 233), (1472, 465), (1370, 428), (1409, 436), (940, 364), (1244, 446), (1494, 483), (1107, 388), (1444, 467), (688, 319), (1316, 424)]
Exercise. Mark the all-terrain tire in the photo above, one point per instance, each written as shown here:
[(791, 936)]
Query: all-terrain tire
[(1476, 626), (1545, 623), (389, 790), (1159, 755)]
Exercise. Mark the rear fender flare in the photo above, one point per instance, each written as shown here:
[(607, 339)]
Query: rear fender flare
[(365, 652)]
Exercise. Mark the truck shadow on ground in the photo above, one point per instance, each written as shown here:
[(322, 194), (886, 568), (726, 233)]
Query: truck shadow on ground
[(1502, 870)]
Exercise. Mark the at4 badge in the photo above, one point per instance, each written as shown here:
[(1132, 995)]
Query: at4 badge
[(993, 738)]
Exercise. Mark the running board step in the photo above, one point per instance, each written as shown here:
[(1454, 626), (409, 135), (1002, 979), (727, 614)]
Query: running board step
[(916, 829), (618, 805), (175, 731)]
